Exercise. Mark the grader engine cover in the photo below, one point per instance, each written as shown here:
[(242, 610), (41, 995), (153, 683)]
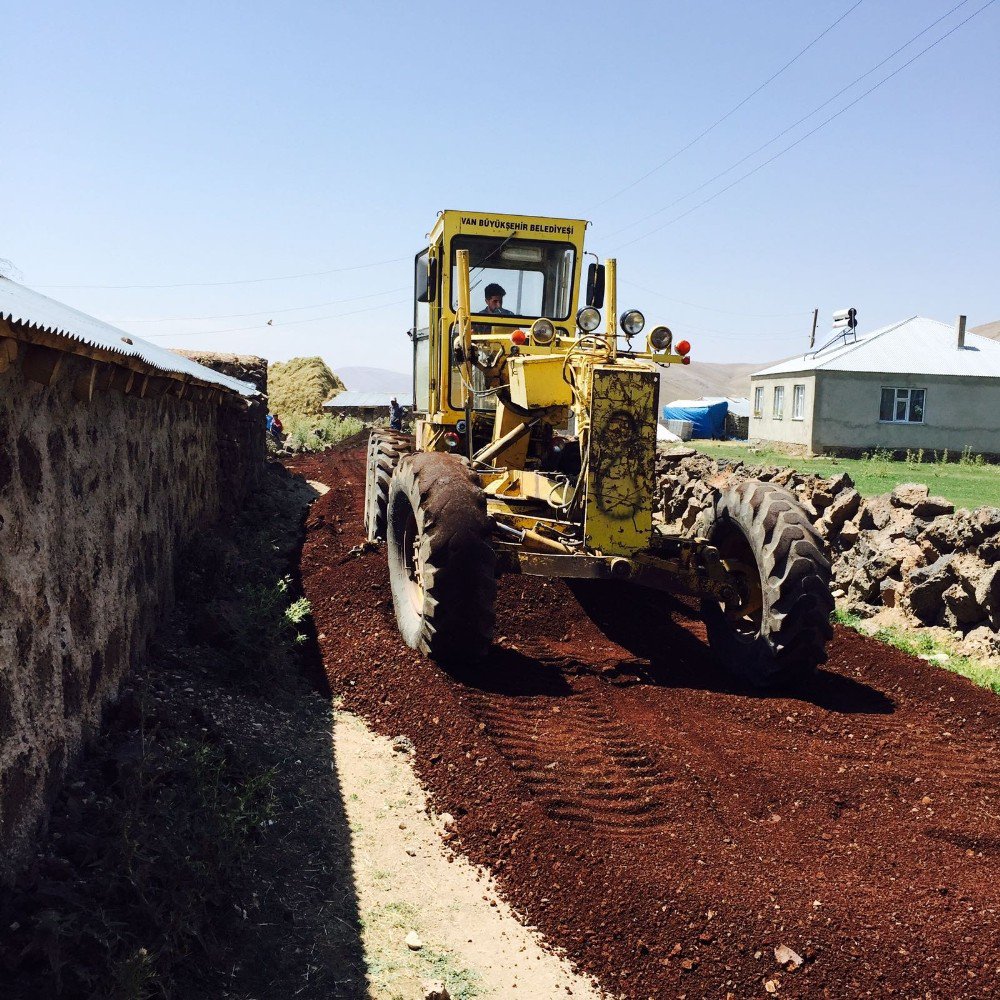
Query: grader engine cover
[(621, 473)]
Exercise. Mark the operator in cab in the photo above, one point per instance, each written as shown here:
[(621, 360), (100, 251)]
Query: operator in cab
[(494, 301), (494, 294)]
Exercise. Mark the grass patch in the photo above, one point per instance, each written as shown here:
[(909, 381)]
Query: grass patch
[(923, 644), (318, 433), (964, 479), (155, 854)]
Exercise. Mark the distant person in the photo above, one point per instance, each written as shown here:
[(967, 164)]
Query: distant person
[(275, 426), (395, 415)]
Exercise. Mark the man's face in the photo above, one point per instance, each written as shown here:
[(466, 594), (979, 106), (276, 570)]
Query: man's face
[(494, 302)]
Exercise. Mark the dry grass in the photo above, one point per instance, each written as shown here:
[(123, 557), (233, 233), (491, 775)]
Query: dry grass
[(300, 387)]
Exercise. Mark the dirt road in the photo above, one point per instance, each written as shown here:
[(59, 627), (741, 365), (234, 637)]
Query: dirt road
[(666, 827)]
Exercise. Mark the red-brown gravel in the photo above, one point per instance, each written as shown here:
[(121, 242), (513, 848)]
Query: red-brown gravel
[(666, 827)]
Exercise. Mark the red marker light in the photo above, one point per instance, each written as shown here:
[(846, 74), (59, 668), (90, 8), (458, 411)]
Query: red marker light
[(683, 347), (685, 360), (519, 337), (452, 439)]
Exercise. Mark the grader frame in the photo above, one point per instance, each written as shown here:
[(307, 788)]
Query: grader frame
[(534, 452)]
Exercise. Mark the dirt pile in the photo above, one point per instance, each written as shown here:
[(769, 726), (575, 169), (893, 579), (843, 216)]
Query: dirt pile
[(301, 386), (676, 833), (903, 549)]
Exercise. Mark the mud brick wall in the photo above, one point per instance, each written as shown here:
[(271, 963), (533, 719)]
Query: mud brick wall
[(241, 434), (96, 499)]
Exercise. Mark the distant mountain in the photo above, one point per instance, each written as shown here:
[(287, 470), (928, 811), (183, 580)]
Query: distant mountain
[(991, 330), (361, 379), (676, 382), (707, 379)]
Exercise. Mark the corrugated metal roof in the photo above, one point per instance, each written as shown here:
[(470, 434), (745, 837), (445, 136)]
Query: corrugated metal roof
[(915, 346), (363, 399), (32, 309)]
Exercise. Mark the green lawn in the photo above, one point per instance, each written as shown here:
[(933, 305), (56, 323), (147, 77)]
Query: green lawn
[(964, 483)]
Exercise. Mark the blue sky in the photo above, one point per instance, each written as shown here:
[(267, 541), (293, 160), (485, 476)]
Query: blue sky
[(204, 144)]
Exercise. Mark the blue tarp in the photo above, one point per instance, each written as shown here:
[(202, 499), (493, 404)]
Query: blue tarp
[(709, 419)]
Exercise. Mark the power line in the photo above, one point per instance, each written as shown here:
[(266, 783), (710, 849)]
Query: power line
[(245, 281), (294, 322), (701, 135), (795, 125), (727, 312), (260, 312), (811, 132)]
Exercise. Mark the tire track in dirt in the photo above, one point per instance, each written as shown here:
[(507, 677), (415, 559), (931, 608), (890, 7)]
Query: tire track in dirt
[(584, 768), (689, 825)]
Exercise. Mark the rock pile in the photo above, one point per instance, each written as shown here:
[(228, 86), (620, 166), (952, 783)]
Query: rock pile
[(904, 549)]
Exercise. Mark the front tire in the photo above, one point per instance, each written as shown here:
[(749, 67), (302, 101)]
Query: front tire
[(385, 448), (777, 632), (442, 565)]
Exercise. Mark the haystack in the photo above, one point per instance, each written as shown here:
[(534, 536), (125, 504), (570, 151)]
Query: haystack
[(301, 386)]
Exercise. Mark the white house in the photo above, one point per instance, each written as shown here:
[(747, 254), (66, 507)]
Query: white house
[(916, 384)]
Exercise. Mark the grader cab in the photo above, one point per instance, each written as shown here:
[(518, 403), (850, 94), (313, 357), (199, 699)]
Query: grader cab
[(533, 452)]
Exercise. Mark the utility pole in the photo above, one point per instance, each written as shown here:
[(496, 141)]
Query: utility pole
[(812, 336)]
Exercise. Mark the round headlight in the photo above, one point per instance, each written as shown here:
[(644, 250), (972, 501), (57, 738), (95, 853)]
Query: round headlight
[(588, 319), (661, 338), (632, 321), (543, 332)]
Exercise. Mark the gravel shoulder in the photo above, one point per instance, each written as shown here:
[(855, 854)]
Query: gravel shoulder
[(667, 828)]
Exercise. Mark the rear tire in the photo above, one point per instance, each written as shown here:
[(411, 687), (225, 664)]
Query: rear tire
[(779, 632), (442, 566), (385, 448)]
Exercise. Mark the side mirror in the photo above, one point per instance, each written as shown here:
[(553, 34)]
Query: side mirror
[(421, 276), (595, 285)]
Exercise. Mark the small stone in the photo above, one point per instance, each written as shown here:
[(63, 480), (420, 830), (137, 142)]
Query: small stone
[(783, 955), (413, 941), (771, 985)]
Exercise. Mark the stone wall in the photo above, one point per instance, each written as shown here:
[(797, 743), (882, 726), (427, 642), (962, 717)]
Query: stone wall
[(96, 498), (905, 549), (241, 433)]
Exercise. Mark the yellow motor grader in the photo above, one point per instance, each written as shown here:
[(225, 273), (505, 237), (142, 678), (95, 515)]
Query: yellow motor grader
[(534, 450)]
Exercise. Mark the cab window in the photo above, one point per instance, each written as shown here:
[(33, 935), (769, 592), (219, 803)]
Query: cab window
[(536, 275)]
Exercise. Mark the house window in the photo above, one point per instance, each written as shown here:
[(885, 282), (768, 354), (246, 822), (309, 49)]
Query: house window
[(798, 402), (758, 401), (779, 401), (902, 406)]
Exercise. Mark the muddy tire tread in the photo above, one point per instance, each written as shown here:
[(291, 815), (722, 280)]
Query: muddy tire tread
[(385, 448), (459, 562), (795, 579)]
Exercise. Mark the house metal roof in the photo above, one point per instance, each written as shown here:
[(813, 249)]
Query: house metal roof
[(363, 400), (29, 308), (915, 346)]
